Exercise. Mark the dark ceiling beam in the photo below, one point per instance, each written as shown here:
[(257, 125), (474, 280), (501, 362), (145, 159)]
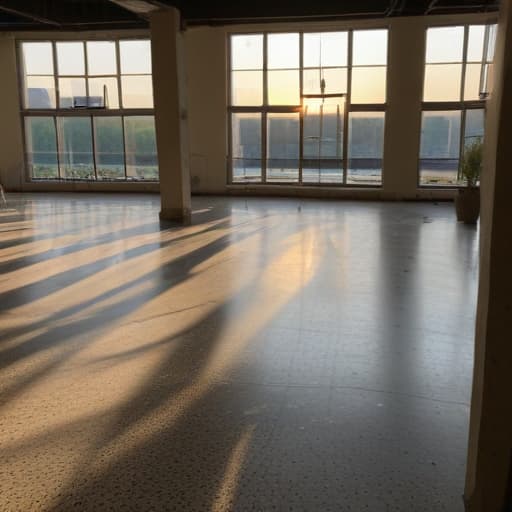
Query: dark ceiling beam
[(392, 8), (111, 14), (67, 15), (436, 5), (232, 11), (432, 5), (29, 15), (140, 7)]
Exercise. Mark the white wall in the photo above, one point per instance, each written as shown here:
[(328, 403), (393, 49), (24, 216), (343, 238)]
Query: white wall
[(207, 111)]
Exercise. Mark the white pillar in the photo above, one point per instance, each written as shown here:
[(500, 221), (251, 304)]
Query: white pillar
[(489, 466), (169, 89), (403, 117)]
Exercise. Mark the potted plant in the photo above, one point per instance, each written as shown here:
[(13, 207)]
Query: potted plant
[(467, 202)]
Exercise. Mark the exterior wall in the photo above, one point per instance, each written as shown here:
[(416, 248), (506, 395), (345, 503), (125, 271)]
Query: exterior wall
[(206, 63)]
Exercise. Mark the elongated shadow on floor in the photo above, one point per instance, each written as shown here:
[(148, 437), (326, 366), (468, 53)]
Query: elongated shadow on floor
[(161, 280)]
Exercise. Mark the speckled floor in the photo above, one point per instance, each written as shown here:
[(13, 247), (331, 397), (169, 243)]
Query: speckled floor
[(288, 355)]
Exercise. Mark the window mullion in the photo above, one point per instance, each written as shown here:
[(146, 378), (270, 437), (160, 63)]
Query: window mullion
[(86, 77), (347, 107), (301, 112), (484, 67), (93, 145), (56, 75), (464, 62), (57, 145), (264, 114), (118, 75), (124, 149), (462, 139)]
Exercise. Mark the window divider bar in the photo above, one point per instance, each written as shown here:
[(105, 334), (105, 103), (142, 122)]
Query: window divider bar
[(124, 149), (229, 117), (462, 139), (79, 112), (55, 76), (276, 109), (368, 107), (348, 106), (483, 62), (464, 62), (57, 146), (301, 111), (86, 77), (264, 147), (118, 66), (229, 155), (264, 113), (93, 143)]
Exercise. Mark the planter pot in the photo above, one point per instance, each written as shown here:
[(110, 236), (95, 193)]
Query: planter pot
[(467, 205)]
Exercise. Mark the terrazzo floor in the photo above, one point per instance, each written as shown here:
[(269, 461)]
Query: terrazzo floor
[(276, 354)]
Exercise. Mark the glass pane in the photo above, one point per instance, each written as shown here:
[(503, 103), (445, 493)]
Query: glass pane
[(135, 57), (140, 147), (445, 44), (335, 80), (109, 147), (72, 92), (472, 82), (247, 52), (40, 92), (75, 147), (137, 91), (474, 126), (101, 58), (247, 88), (439, 149), (365, 148), (442, 82), (370, 47), (103, 92), (246, 147), (38, 58), (283, 147), (283, 51), (491, 44), (41, 144), (369, 85), (323, 141), (325, 49), (70, 58), (475, 43), (283, 87)]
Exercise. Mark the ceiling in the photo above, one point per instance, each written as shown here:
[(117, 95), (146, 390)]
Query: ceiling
[(109, 14)]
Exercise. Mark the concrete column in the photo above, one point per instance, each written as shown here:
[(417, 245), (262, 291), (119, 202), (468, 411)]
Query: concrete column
[(403, 117), (11, 142), (489, 467), (169, 89)]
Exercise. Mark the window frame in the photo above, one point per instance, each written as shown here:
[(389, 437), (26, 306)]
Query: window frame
[(90, 112), (461, 105), (265, 108)]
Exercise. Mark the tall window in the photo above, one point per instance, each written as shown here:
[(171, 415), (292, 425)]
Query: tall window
[(308, 107), (88, 110), (458, 78)]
